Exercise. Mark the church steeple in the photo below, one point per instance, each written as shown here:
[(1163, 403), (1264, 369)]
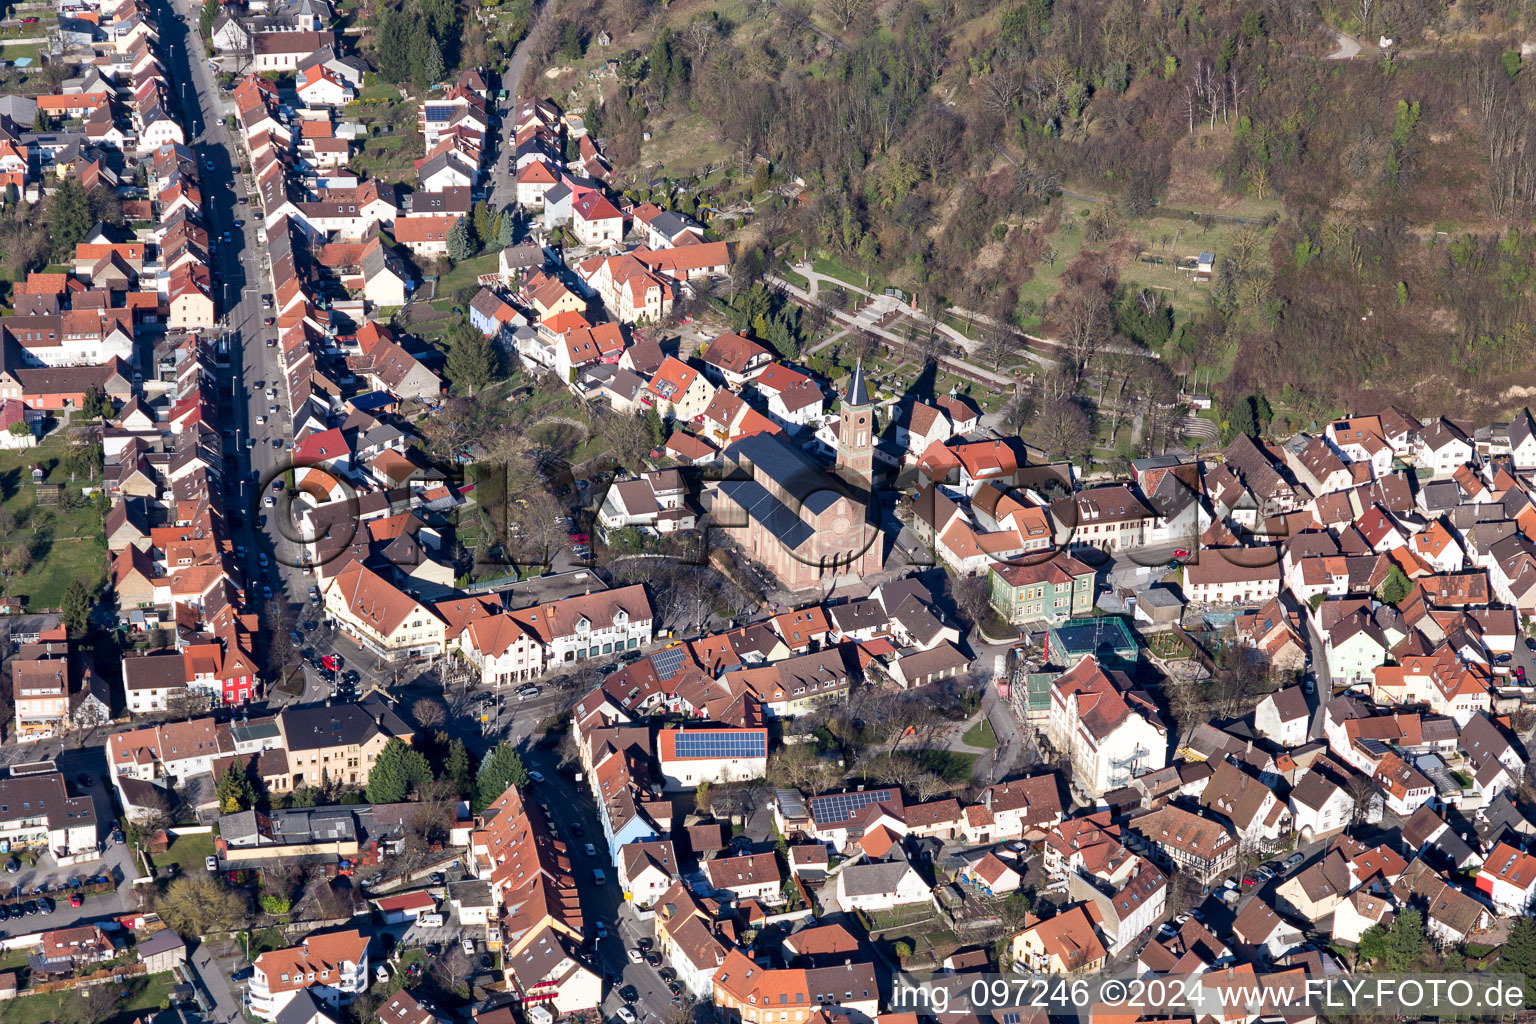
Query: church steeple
[(855, 429), (856, 394)]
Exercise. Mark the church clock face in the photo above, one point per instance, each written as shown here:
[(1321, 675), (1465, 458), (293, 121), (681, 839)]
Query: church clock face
[(840, 524)]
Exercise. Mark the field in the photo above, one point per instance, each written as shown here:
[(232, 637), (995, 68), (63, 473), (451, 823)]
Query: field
[(65, 544), (388, 157), (188, 853), (688, 147), (141, 995)]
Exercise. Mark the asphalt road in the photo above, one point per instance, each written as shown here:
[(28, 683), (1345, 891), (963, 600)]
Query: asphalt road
[(571, 804), (241, 277)]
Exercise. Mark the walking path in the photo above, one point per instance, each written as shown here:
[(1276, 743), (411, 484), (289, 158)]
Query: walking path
[(959, 366)]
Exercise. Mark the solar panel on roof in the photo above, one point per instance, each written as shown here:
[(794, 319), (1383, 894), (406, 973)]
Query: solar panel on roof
[(841, 806), (668, 663), (719, 743)]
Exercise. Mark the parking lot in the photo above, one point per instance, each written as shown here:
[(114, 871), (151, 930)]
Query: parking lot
[(116, 864)]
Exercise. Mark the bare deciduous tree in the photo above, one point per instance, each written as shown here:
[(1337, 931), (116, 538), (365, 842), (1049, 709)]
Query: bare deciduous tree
[(428, 712)]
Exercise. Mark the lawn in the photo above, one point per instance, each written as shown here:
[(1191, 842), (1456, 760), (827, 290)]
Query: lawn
[(798, 280), (464, 274), (188, 852), (267, 939), (832, 268), (949, 765), (375, 88), (140, 995), (980, 735)]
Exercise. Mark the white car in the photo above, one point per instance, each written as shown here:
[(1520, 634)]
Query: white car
[(211, 863), (269, 501), (635, 956), (626, 1015), (261, 421)]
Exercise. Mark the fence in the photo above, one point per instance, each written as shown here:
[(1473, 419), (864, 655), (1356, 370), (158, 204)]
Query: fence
[(114, 974)]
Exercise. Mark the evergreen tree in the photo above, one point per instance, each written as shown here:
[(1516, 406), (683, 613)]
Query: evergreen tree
[(1519, 955), (75, 608), (234, 789), (506, 229), (426, 57), (69, 217), (484, 226), (458, 770), (1240, 420), (394, 49), (397, 769), (460, 247), (206, 18), (472, 361), (1405, 941), (1395, 587), (655, 428), (503, 768), (570, 45)]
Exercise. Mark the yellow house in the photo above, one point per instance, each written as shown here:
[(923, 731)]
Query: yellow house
[(382, 617), (1068, 943), (680, 391), (339, 743)]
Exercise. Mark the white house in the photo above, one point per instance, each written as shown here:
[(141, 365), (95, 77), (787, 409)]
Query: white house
[(752, 876), (1320, 805), (646, 870), (1358, 912), (689, 757), (1111, 737), (1508, 879), (333, 967), (1443, 448), (880, 885), (1282, 717)]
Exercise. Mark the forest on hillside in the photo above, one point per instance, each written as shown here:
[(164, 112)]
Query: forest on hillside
[(1372, 217)]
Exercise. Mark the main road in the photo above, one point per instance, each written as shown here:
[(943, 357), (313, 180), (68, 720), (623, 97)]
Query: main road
[(240, 275)]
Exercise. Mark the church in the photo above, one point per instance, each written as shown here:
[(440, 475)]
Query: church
[(809, 527)]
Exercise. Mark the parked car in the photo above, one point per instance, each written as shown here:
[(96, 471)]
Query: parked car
[(539, 777), (628, 993), (591, 850), (635, 956), (1292, 861), (75, 899), (626, 1015), (211, 862)]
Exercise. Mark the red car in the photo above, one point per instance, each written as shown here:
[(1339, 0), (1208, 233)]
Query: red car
[(75, 899), (1181, 553), (268, 322), (331, 662)]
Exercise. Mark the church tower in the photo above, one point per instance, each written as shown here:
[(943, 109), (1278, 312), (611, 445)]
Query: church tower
[(856, 430)]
